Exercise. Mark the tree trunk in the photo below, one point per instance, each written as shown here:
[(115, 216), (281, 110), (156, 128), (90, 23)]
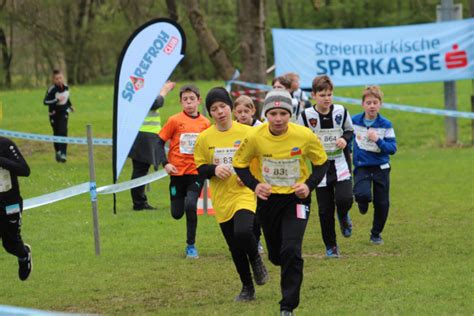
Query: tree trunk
[(7, 57), (281, 13), (251, 24), (207, 40), (172, 10)]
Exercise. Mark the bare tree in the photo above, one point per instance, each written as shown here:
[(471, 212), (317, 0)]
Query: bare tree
[(281, 13), (214, 50), (251, 25), (7, 46)]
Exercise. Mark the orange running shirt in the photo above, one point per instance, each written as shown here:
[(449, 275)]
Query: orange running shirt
[(182, 131)]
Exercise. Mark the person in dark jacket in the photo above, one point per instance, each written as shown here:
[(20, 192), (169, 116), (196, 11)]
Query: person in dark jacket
[(59, 106), (144, 150), (13, 165)]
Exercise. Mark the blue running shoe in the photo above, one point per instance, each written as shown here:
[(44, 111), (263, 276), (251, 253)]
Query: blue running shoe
[(376, 240), (332, 252), (346, 225), (191, 252)]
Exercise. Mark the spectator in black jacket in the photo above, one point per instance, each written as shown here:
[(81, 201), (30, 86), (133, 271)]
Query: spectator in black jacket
[(12, 165), (59, 103)]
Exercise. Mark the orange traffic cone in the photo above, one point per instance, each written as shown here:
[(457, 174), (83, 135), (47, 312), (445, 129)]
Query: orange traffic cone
[(200, 205)]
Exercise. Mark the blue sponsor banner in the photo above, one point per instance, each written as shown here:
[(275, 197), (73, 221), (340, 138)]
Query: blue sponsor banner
[(384, 55), (147, 60)]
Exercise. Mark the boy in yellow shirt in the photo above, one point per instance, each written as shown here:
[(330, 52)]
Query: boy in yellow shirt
[(282, 184), (234, 203)]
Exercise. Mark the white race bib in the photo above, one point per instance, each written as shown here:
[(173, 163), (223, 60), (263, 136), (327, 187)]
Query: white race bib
[(62, 97), (224, 156), (187, 142), (328, 137), (282, 172), (5, 180), (363, 140)]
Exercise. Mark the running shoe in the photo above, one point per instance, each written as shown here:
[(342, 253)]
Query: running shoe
[(246, 294), (332, 252), (376, 239), (346, 225), (260, 273), (363, 207), (25, 265), (191, 252), (287, 313), (260, 248)]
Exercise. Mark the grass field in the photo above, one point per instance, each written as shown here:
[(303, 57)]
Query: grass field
[(425, 266)]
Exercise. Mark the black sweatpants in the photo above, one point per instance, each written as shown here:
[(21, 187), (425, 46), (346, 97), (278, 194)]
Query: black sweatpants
[(140, 169), (239, 235), (334, 195), (364, 179), (10, 233), (283, 233), (58, 122), (184, 195)]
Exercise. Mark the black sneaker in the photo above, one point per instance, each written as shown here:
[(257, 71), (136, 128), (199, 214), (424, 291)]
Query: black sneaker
[(25, 267), (363, 207), (260, 273), (58, 156), (287, 313), (376, 239), (143, 207), (247, 294)]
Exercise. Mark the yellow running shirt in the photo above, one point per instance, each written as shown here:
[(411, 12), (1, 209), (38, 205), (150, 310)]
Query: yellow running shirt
[(281, 158), (214, 147)]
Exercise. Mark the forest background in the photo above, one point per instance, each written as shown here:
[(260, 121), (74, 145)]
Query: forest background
[(85, 37)]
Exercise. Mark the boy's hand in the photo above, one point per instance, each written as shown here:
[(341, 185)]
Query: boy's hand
[(263, 190), (52, 113), (372, 135), (223, 171), (301, 190), (167, 87), (239, 182), (170, 169), (73, 109), (341, 143)]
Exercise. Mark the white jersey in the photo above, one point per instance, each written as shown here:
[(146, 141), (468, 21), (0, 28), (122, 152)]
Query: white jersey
[(329, 128)]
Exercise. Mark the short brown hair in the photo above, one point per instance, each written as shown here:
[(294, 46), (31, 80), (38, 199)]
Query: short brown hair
[(322, 83), (373, 91), (244, 100), (292, 76), (283, 80), (189, 88)]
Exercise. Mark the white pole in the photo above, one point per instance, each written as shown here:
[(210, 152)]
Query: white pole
[(93, 192)]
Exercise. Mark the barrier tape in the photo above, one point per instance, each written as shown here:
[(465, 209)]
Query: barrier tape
[(89, 187), (127, 185), (55, 139), (23, 311), (245, 92), (390, 106)]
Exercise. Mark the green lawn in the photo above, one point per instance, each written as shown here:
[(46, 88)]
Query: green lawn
[(424, 267)]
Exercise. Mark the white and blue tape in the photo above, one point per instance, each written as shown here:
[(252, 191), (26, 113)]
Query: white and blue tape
[(55, 139), (390, 106), (91, 187)]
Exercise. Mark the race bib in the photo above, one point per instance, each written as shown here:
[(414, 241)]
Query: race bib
[(363, 140), (62, 97), (224, 156), (5, 180), (187, 142), (328, 137), (282, 172)]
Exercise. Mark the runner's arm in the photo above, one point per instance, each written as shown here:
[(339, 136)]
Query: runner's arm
[(207, 171), (247, 177), (161, 152), (14, 162), (317, 174)]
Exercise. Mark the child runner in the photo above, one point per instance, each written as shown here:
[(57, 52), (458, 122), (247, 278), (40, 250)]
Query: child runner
[(182, 130), (12, 166), (244, 112), (59, 106), (374, 142), (234, 203), (296, 92), (282, 185), (333, 125)]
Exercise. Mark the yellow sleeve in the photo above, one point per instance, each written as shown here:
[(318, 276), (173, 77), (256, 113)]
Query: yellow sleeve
[(246, 152), (200, 152), (314, 151)]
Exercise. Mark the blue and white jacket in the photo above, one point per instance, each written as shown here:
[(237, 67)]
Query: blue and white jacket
[(367, 153)]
